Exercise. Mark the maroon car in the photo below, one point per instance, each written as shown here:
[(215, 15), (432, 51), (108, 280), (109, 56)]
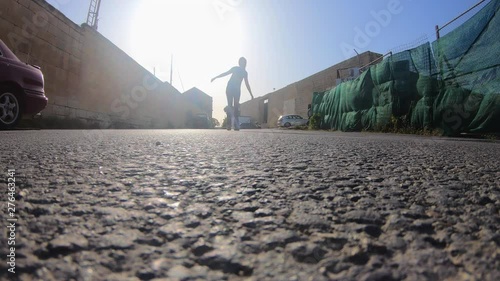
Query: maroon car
[(21, 89)]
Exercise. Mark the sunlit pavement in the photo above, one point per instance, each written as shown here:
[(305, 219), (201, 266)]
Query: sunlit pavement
[(251, 205)]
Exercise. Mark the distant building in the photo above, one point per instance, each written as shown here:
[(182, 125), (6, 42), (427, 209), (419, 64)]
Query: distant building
[(294, 98), (202, 118), (201, 100)]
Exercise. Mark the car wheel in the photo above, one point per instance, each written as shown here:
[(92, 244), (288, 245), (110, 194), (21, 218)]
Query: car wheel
[(10, 109), (287, 125)]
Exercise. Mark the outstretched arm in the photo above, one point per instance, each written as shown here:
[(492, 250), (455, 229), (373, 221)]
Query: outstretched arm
[(248, 86), (223, 74)]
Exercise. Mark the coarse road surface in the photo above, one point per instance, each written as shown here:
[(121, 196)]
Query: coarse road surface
[(249, 205)]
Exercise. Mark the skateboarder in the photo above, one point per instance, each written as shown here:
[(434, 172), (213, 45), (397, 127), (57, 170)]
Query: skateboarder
[(233, 92)]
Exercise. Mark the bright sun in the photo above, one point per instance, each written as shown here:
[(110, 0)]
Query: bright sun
[(202, 43)]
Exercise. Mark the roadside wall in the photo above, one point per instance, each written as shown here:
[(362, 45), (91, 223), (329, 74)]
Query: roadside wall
[(86, 76)]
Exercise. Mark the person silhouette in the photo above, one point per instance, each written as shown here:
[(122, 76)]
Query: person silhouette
[(233, 92)]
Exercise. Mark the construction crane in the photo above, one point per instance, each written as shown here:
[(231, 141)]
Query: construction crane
[(93, 16)]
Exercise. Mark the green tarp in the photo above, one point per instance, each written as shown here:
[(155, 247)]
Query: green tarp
[(452, 86)]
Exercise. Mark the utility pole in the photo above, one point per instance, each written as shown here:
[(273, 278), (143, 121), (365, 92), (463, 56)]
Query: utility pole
[(171, 67), (93, 16)]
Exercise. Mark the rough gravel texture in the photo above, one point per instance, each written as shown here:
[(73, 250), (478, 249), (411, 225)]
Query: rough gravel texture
[(251, 205)]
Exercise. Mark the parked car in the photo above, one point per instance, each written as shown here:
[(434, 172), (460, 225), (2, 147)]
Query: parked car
[(291, 120), (246, 122), (21, 89)]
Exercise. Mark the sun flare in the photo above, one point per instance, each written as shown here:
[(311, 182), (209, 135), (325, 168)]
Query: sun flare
[(202, 44)]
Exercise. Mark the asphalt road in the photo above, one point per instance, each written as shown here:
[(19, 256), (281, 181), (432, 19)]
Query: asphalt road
[(249, 205)]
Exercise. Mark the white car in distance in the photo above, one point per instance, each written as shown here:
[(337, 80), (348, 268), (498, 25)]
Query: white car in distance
[(292, 120)]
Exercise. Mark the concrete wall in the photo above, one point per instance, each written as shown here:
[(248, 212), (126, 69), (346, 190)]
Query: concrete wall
[(298, 96), (86, 76)]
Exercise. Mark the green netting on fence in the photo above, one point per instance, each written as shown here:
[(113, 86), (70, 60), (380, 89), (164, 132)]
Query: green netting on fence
[(390, 88), (469, 88), (452, 86)]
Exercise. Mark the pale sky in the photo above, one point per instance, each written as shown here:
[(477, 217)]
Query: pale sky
[(283, 40)]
